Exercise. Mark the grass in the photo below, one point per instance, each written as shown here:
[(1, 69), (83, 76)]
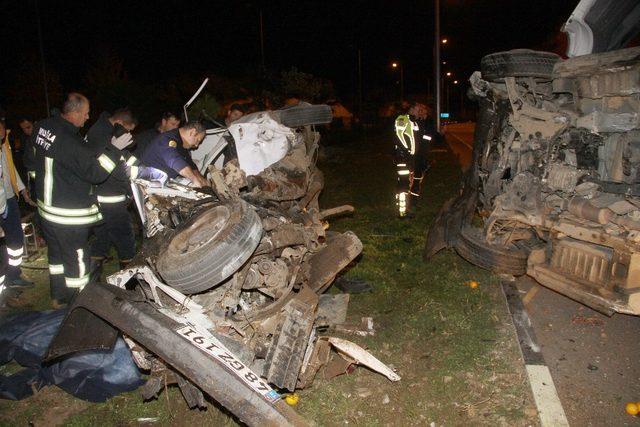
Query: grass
[(452, 346)]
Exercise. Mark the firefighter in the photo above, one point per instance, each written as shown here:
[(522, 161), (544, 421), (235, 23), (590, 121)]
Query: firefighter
[(66, 170), (116, 229), (169, 152)]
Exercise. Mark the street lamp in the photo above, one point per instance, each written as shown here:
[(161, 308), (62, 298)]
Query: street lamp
[(397, 64), (448, 73), (444, 41)]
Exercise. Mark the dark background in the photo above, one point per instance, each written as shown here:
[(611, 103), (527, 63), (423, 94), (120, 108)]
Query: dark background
[(164, 49)]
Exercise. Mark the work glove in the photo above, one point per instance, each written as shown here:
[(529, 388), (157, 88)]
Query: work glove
[(152, 174), (122, 141)]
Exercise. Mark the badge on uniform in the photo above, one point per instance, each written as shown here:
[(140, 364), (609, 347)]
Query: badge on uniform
[(173, 144)]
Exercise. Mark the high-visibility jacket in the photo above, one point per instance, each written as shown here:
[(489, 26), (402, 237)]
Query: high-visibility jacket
[(113, 190), (405, 129), (66, 170)]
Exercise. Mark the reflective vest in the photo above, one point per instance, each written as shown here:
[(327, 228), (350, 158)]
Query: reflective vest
[(405, 129)]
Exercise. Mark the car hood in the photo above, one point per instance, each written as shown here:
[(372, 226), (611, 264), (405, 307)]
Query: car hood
[(602, 25)]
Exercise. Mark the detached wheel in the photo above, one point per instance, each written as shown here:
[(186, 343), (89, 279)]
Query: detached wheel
[(303, 115), (472, 246), (518, 63), (212, 246)]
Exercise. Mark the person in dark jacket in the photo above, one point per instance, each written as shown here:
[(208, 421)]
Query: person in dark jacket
[(66, 170), (168, 121), (169, 152), (116, 229)]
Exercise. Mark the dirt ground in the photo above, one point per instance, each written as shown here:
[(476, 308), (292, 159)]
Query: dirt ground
[(453, 346)]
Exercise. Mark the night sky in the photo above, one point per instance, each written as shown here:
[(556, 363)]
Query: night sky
[(159, 41)]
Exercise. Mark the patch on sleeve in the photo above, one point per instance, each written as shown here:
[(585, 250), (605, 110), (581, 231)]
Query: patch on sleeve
[(172, 143)]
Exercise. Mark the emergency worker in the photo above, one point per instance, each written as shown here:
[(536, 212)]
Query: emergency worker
[(169, 152), (234, 113), (413, 135), (66, 170), (168, 121), (13, 187), (3, 267), (116, 229)]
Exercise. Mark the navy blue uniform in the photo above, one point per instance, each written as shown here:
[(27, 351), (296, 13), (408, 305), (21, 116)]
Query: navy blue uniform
[(167, 154)]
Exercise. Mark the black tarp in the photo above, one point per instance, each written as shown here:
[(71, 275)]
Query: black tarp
[(90, 375)]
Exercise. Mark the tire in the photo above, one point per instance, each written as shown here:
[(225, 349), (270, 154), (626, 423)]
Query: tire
[(518, 63), (210, 248), (472, 246), (303, 115)]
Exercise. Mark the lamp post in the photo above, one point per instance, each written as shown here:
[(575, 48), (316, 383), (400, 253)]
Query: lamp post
[(397, 64)]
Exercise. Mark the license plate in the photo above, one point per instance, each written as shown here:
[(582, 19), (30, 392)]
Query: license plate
[(213, 347)]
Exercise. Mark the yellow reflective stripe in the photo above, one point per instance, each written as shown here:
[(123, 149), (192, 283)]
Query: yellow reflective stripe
[(106, 163), (68, 212), (134, 172), (32, 174), (131, 160), (65, 220), (111, 199), (403, 172), (76, 282), (48, 180), (56, 269)]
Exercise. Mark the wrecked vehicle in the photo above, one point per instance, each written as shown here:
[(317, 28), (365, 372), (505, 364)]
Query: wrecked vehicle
[(553, 190), (225, 294)]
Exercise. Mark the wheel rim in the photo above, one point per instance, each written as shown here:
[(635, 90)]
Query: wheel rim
[(203, 230)]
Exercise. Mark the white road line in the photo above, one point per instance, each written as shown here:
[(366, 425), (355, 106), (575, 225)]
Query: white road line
[(546, 396)]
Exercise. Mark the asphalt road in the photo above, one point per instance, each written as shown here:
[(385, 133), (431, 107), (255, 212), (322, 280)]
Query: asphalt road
[(592, 357)]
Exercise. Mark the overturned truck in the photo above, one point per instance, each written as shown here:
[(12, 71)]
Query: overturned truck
[(224, 295), (553, 191)]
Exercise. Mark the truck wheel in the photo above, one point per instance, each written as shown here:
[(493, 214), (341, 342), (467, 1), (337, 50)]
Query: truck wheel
[(303, 115), (472, 246), (210, 248), (518, 63)]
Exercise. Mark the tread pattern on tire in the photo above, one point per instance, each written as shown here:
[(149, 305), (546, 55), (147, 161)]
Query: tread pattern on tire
[(306, 115), (518, 63), (471, 246), (223, 257)]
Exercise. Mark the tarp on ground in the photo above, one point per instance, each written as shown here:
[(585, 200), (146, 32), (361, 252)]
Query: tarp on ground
[(90, 375)]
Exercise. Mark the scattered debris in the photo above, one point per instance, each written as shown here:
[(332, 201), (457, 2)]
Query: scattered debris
[(385, 399), (332, 309), (592, 367), (363, 329), (359, 355), (363, 392), (583, 320)]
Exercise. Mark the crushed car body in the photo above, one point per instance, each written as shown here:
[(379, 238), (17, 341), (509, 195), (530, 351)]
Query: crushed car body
[(555, 175), (224, 295)]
